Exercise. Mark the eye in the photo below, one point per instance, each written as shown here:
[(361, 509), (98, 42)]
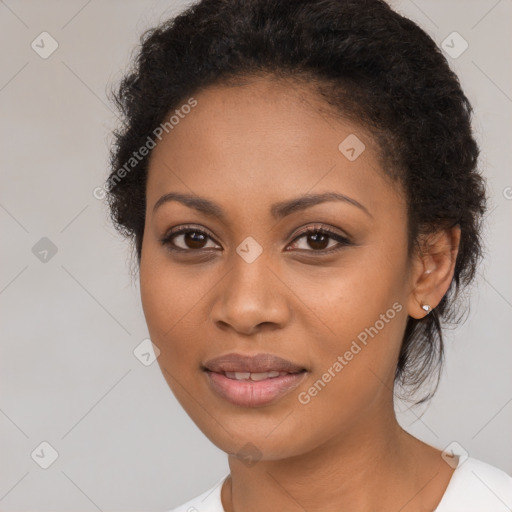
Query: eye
[(190, 238), (318, 239), (186, 239)]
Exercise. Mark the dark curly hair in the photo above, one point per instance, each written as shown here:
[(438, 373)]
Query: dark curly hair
[(370, 65)]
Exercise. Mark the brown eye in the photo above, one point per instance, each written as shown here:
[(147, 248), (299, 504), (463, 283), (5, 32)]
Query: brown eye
[(194, 239), (318, 240), (187, 239)]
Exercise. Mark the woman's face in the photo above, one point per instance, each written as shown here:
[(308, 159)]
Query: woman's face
[(248, 280)]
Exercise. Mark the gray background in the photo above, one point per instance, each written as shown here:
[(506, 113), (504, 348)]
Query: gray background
[(70, 324)]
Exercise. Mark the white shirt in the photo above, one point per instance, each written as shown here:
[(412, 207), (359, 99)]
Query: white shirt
[(475, 486)]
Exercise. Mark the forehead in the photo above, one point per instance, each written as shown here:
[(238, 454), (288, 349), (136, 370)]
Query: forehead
[(266, 139)]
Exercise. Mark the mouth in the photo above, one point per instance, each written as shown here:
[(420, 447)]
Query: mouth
[(257, 376), (253, 364), (253, 381)]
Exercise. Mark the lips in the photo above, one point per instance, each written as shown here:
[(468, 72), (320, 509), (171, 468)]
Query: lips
[(253, 381), (259, 363)]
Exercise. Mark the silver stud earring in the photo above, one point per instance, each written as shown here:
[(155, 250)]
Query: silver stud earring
[(426, 308)]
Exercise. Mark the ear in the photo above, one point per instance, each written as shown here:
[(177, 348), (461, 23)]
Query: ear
[(432, 270)]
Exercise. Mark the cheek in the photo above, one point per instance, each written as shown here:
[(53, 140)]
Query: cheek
[(174, 300), (170, 319), (362, 307), (358, 294), (167, 291), (168, 303), (354, 370), (165, 302)]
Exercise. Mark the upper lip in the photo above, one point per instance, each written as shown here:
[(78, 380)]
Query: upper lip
[(257, 363)]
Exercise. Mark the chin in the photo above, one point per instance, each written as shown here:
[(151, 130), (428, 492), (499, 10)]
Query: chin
[(268, 439)]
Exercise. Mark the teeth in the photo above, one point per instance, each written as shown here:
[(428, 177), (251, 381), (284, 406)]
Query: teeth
[(254, 376), (241, 375), (263, 375)]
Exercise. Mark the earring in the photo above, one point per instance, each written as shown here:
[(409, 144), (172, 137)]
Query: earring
[(426, 308)]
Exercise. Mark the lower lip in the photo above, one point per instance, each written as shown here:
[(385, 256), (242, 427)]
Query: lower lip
[(247, 393)]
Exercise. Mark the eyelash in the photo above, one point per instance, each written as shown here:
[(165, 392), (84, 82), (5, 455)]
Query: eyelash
[(166, 240)]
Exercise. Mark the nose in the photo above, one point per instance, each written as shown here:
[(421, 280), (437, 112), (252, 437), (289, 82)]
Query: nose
[(250, 298)]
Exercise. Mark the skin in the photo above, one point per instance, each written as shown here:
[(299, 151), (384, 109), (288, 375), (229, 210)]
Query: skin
[(247, 147)]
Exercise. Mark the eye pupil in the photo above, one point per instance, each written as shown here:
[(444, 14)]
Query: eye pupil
[(194, 239), (318, 238)]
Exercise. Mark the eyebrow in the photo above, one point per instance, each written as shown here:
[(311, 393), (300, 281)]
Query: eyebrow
[(278, 210)]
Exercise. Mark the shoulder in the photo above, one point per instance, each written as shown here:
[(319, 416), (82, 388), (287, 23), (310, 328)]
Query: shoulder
[(208, 501), (476, 486)]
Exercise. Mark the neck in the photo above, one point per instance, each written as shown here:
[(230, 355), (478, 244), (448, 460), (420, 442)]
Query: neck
[(375, 466)]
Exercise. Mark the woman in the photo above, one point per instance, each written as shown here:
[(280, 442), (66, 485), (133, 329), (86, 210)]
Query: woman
[(300, 182)]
